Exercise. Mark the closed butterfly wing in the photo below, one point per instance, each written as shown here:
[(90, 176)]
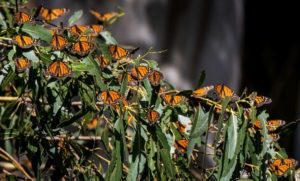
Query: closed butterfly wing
[(201, 92), (118, 53), (110, 97), (82, 48), (58, 69), (104, 62), (22, 64), (281, 166), (103, 17), (58, 42), (262, 100), (155, 77), (272, 125), (52, 14), (152, 116), (24, 41), (140, 72), (181, 145), (22, 17)]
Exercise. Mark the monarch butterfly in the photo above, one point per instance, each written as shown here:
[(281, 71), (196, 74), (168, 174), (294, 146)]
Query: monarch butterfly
[(182, 128), (271, 125), (275, 137), (130, 80), (262, 100), (202, 91), (22, 17), (224, 91), (22, 64), (110, 97), (181, 145), (104, 62), (118, 53), (58, 69), (162, 89), (152, 116), (58, 42), (155, 77), (173, 100), (82, 48), (92, 125), (79, 30), (24, 41), (52, 14), (281, 166), (140, 72), (104, 17)]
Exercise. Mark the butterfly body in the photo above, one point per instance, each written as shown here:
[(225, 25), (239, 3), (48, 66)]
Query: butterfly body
[(140, 72), (181, 145), (103, 17), (22, 17), (82, 48), (172, 100), (58, 42), (281, 166), (110, 97), (22, 64), (118, 53), (52, 14), (155, 77), (224, 91), (202, 91), (24, 41), (58, 69), (152, 116), (262, 100)]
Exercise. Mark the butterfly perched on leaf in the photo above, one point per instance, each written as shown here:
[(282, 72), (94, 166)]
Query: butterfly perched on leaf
[(58, 42), (224, 91), (172, 100), (52, 14), (22, 17), (120, 54), (281, 166), (262, 100), (271, 125), (79, 30), (130, 80), (140, 72), (103, 17), (202, 91), (22, 64), (104, 62), (152, 116), (110, 97), (58, 69), (155, 77), (181, 145), (24, 41), (82, 48)]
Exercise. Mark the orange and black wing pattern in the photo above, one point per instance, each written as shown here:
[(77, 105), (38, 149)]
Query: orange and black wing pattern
[(271, 125), (22, 17), (104, 17), (181, 145), (104, 62), (281, 166), (140, 72), (110, 97), (24, 41), (201, 92), (58, 69), (173, 100), (58, 42), (118, 53), (152, 116), (22, 64), (155, 77), (224, 91), (52, 14), (262, 100), (82, 48), (78, 30)]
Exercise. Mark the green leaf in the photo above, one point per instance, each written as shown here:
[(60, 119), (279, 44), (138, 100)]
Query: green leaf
[(115, 167), (162, 138), (75, 16), (37, 32), (201, 80), (30, 55), (165, 155), (109, 39), (232, 136)]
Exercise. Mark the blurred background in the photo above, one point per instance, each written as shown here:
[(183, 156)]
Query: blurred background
[(241, 43)]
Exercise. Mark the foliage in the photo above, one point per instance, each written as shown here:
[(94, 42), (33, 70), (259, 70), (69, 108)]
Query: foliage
[(69, 114)]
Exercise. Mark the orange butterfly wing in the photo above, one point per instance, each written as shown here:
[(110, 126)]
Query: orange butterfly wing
[(224, 91), (140, 72), (152, 116), (181, 145), (202, 91), (52, 14), (103, 17), (155, 77), (172, 100), (281, 166), (82, 48), (262, 100), (58, 69), (104, 62), (24, 41), (110, 97), (58, 42), (118, 53), (22, 64), (22, 17)]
